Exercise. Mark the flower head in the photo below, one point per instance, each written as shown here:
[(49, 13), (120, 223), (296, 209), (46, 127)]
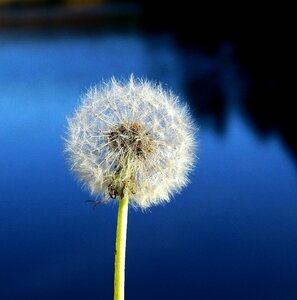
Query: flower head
[(131, 137)]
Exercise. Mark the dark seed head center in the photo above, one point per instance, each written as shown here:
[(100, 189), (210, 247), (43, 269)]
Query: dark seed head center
[(130, 139)]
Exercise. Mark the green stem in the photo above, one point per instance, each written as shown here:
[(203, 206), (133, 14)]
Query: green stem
[(120, 253)]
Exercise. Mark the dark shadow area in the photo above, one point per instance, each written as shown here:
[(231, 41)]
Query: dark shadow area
[(207, 98), (261, 38)]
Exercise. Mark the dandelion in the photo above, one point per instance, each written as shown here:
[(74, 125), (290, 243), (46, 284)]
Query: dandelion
[(130, 142)]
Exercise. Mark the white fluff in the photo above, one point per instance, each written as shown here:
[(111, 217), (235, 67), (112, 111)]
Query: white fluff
[(131, 136)]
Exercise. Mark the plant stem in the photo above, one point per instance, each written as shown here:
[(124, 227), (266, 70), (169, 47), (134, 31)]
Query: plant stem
[(120, 252)]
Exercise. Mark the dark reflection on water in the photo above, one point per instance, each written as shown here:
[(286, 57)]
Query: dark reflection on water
[(230, 235)]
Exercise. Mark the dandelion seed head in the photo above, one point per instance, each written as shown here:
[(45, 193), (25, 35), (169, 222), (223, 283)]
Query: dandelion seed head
[(132, 137)]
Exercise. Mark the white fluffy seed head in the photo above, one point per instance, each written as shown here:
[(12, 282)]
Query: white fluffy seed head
[(133, 137)]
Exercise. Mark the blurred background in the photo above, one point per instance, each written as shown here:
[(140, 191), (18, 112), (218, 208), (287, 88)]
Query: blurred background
[(231, 234)]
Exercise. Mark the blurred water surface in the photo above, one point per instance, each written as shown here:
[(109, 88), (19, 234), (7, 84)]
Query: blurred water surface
[(231, 234)]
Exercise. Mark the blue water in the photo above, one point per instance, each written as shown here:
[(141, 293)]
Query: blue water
[(231, 234)]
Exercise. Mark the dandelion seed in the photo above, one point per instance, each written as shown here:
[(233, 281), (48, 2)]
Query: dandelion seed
[(135, 126)]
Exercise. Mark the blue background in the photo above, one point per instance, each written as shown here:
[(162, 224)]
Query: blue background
[(231, 234)]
